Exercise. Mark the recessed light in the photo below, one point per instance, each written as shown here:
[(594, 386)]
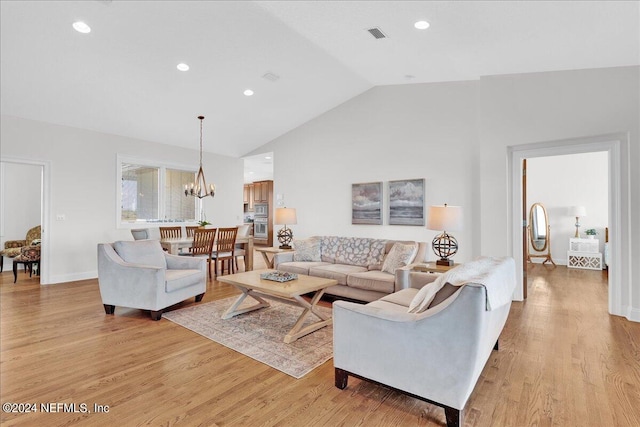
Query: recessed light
[(182, 67), (421, 25), (248, 92), (81, 27)]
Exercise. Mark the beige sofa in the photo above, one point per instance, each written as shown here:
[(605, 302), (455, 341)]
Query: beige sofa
[(357, 263)]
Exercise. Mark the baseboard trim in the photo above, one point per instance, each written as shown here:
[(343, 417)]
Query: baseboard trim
[(633, 314), (74, 277)]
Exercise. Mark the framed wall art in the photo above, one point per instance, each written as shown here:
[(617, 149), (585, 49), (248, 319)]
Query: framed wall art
[(366, 203), (406, 202)]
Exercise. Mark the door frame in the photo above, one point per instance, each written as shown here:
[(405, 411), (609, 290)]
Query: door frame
[(617, 147), (45, 212)]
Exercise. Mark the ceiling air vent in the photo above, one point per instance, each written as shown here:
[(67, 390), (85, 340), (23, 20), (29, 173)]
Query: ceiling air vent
[(377, 33), (271, 77)]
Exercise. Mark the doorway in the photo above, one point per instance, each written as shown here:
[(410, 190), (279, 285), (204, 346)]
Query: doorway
[(617, 148), (25, 204)]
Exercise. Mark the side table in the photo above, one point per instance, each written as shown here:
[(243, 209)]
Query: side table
[(584, 253), (432, 267), (265, 251)]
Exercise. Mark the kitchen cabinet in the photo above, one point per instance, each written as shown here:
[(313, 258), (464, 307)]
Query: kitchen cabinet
[(262, 191), (248, 197)]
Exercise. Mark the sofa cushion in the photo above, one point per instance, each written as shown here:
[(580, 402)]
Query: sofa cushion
[(338, 272), (307, 249), (329, 248), (180, 279), (402, 298), (144, 252), (353, 251), (299, 267), (400, 255), (372, 280), (424, 297), (376, 254)]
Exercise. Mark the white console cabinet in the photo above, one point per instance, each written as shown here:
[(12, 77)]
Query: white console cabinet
[(584, 253)]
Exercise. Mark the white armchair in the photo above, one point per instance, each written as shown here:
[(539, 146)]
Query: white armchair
[(435, 355), (140, 274)]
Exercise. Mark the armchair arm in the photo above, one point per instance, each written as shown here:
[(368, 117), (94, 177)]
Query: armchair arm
[(282, 257), (126, 284), (406, 278), (14, 244), (176, 262)]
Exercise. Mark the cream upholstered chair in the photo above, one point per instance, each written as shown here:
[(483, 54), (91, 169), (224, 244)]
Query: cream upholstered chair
[(13, 248), (436, 355), (138, 274), (244, 230), (140, 233)]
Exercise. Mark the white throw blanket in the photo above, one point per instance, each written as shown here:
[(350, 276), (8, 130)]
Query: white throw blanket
[(497, 275)]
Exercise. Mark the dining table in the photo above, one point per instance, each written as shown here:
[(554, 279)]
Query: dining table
[(174, 244)]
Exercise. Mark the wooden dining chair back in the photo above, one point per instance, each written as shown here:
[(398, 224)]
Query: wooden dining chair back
[(190, 229), (225, 249), (170, 232), (203, 244)]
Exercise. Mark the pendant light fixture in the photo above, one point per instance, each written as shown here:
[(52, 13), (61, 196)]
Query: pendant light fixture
[(199, 188)]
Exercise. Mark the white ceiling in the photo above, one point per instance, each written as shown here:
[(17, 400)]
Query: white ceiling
[(122, 79)]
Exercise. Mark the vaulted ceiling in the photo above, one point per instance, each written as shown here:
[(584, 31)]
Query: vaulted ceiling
[(300, 58)]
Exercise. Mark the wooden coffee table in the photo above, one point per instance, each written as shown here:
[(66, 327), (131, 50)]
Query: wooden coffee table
[(250, 284)]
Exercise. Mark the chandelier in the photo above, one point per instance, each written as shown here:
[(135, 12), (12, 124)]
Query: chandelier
[(199, 187)]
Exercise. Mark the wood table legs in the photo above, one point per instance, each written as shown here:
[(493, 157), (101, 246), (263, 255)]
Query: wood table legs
[(298, 330)]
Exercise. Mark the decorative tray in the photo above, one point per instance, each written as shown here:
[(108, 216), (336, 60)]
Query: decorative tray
[(279, 276)]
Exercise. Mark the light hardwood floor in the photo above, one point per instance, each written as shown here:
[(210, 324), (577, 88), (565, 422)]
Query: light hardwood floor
[(563, 361)]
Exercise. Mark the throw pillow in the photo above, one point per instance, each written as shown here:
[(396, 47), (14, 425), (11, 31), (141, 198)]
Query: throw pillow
[(400, 255), (145, 252), (423, 298), (307, 250)]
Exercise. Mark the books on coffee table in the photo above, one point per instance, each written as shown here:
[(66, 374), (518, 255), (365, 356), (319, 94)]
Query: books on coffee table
[(279, 276)]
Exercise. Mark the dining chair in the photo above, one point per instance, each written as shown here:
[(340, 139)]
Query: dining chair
[(190, 229), (244, 230), (202, 245), (140, 233), (170, 232), (225, 250)]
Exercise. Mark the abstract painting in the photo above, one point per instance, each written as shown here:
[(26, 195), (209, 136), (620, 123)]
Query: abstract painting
[(366, 203), (406, 202)]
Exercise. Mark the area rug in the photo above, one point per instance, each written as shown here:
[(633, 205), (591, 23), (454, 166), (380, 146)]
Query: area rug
[(259, 333)]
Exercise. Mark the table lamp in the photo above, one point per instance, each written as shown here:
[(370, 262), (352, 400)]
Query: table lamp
[(442, 218), (285, 216), (577, 211)]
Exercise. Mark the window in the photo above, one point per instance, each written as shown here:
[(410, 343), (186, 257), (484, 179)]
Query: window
[(154, 193)]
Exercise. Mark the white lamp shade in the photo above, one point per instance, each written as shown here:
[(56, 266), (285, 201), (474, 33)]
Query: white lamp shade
[(286, 216), (577, 211), (445, 218)]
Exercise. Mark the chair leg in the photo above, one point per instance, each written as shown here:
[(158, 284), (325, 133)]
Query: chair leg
[(15, 271), (454, 417), (1, 263), (341, 378)]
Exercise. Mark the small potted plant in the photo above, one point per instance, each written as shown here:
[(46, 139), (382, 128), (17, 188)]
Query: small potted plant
[(591, 233), (203, 223)]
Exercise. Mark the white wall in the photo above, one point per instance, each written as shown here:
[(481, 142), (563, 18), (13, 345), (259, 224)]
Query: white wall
[(388, 133), (456, 135), (83, 186), (21, 200), (538, 107), (571, 180)]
